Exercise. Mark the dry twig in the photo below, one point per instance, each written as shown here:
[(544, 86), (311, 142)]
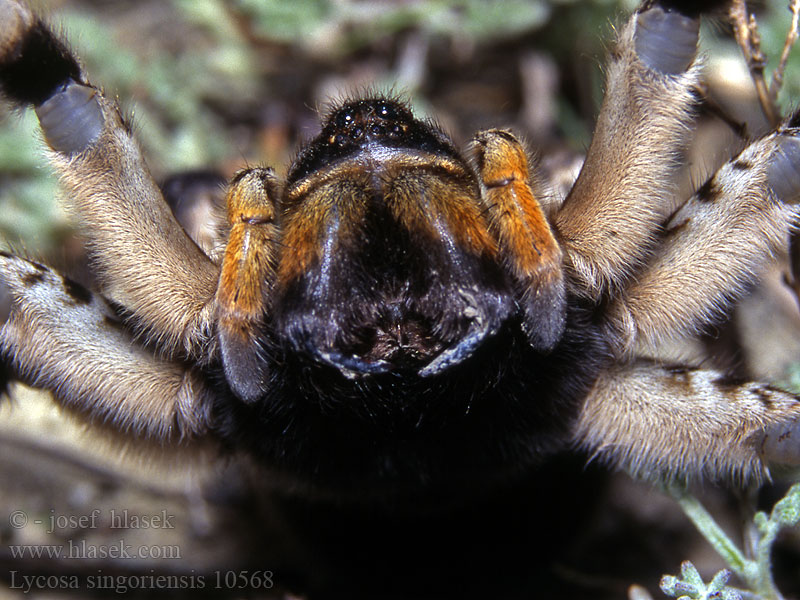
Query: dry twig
[(745, 30)]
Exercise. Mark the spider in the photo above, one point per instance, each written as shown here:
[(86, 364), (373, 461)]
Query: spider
[(399, 316)]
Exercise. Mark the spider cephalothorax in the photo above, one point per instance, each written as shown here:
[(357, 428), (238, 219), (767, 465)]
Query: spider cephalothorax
[(398, 315)]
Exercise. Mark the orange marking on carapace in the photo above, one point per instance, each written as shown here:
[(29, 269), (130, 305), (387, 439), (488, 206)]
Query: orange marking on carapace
[(315, 206), (420, 198), (419, 189)]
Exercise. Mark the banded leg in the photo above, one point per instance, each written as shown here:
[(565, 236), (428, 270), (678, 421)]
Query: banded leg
[(531, 253), (59, 336), (608, 221), (716, 244), (145, 261), (247, 268), (663, 423)]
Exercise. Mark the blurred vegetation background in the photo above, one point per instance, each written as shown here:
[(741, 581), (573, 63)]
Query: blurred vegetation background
[(216, 84)]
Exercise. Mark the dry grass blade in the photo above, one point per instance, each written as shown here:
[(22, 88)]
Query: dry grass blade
[(791, 38)]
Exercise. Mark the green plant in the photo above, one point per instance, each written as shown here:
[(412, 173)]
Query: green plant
[(755, 571)]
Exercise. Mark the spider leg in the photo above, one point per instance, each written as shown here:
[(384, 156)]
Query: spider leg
[(715, 245), (666, 422), (144, 259), (530, 251), (247, 268), (57, 335), (608, 221)]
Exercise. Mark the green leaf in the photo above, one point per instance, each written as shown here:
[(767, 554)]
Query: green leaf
[(787, 510), (690, 574)]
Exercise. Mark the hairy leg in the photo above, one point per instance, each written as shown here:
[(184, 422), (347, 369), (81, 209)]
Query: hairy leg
[(608, 221), (145, 261), (680, 422), (56, 335), (715, 245)]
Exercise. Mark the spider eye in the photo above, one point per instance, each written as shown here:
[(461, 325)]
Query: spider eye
[(388, 111), (343, 118)]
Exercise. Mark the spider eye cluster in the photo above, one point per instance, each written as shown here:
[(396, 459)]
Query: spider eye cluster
[(368, 123)]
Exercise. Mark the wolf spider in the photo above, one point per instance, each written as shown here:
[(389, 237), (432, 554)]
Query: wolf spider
[(398, 315)]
